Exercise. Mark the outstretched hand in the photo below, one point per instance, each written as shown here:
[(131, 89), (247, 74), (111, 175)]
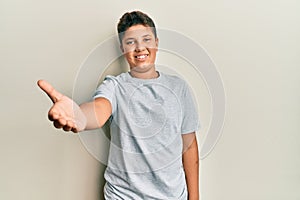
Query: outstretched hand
[(64, 113)]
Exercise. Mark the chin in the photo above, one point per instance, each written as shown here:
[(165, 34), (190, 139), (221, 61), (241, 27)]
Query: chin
[(142, 67)]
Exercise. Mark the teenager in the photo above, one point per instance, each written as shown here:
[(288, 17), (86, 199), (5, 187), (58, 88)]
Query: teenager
[(153, 120)]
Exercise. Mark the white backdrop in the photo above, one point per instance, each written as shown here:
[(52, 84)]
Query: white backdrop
[(254, 44)]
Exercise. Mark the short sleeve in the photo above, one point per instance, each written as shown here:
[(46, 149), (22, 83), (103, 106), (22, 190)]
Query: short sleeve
[(107, 90), (190, 119)]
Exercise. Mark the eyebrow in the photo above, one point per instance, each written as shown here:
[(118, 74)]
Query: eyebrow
[(147, 35), (129, 39)]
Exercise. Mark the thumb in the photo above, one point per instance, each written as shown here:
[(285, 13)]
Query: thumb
[(49, 90)]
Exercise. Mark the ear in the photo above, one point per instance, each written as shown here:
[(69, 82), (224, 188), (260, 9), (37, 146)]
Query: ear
[(156, 43)]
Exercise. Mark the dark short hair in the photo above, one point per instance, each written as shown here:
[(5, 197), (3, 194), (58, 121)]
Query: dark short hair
[(134, 18)]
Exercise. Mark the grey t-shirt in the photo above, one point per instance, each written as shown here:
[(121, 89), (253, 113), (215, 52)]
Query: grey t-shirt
[(148, 118)]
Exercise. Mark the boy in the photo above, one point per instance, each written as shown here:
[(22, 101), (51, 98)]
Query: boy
[(153, 119)]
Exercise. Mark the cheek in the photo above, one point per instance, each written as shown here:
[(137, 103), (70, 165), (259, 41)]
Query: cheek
[(128, 49), (153, 51), (128, 56)]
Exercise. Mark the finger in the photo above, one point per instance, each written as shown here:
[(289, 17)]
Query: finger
[(62, 121), (53, 114), (57, 124), (53, 117), (74, 130), (68, 126), (49, 90)]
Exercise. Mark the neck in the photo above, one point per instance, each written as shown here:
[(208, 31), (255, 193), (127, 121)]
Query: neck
[(150, 74)]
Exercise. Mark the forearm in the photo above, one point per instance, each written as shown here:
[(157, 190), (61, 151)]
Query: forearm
[(191, 168), (88, 109), (96, 113)]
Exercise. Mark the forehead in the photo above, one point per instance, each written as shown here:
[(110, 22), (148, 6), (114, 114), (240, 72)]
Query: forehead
[(138, 31)]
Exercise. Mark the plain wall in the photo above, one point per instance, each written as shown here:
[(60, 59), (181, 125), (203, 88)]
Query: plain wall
[(254, 44)]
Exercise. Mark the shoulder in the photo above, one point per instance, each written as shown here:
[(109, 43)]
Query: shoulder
[(115, 79), (110, 83), (175, 80)]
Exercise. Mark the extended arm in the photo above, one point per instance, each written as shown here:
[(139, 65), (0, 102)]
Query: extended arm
[(66, 114), (190, 161), (96, 112)]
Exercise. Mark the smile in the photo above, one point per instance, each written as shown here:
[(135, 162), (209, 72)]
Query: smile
[(141, 57)]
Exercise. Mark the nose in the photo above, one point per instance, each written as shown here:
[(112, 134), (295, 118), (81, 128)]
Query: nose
[(139, 47)]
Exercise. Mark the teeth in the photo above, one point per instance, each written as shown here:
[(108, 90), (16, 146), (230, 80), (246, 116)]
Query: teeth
[(141, 56)]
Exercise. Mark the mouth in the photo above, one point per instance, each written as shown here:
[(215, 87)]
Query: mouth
[(141, 57)]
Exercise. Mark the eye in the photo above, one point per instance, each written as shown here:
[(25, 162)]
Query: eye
[(130, 42), (147, 39)]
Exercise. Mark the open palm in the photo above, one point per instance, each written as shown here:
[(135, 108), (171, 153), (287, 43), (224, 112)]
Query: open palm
[(64, 113)]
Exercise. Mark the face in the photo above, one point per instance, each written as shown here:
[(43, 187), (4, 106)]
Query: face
[(139, 46)]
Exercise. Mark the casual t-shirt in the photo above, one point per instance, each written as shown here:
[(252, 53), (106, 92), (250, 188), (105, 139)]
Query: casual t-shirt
[(148, 119)]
